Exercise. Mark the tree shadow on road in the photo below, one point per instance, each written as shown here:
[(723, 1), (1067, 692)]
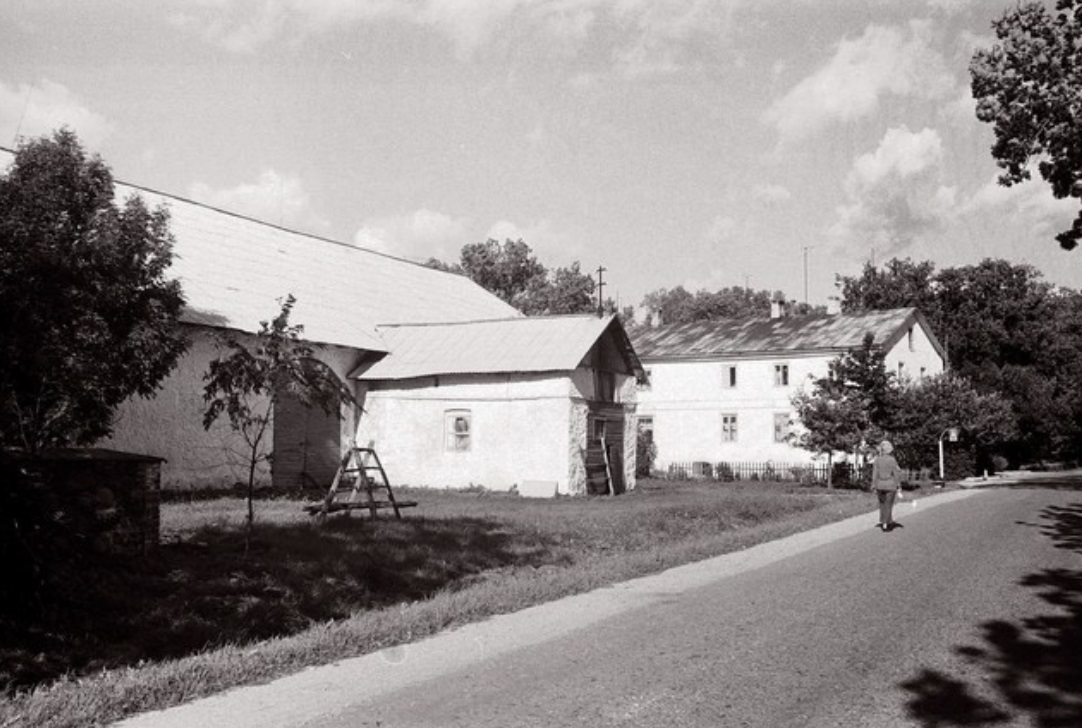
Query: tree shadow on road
[(1033, 666)]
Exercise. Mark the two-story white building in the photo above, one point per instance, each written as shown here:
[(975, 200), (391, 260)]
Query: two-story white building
[(721, 391)]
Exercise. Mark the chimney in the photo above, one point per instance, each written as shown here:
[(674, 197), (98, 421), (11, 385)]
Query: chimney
[(779, 309)]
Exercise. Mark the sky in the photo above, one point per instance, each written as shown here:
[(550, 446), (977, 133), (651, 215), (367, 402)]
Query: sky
[(702, 143)]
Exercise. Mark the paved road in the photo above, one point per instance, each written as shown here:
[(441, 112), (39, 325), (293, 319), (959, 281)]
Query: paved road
[(971, 614)]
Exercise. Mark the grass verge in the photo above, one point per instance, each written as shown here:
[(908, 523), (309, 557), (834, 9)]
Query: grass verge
[(205, 616)]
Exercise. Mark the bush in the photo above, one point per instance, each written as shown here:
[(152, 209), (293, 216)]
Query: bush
[(645, 453)]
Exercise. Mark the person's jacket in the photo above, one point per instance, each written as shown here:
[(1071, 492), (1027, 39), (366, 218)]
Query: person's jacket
[(886, 473)]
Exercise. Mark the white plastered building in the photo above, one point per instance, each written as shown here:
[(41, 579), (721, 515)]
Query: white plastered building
[(721, 391)]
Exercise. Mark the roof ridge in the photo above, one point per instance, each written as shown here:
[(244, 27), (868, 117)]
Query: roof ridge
[(281, 228), (505, 319), (256, 220)]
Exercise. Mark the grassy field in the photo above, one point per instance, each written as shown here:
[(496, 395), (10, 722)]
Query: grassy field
[(204, 615)]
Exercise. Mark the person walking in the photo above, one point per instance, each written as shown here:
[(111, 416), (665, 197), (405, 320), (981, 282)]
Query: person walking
[(887, 483)]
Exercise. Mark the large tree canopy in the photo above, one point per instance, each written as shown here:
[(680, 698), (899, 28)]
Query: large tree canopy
[(1005, 330), (87, 315), (1029, 87)]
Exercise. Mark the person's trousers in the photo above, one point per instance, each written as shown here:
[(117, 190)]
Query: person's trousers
[(886, 505)]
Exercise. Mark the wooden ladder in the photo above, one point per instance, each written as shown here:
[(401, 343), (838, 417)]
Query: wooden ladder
[(354, 487)]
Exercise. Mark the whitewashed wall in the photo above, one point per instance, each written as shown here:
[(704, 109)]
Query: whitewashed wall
[(521, 425), (170, 425), (914, 356), (687, 400)]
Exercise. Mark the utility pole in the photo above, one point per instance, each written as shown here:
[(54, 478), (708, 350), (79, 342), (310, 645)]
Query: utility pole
[(806, 249), (600, 286)]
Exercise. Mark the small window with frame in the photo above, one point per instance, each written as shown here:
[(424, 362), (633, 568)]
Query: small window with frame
[(781, 427), (728, 427), (728, 376), (458, 430), (781, 375)]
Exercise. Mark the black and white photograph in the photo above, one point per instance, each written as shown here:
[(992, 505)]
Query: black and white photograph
[(540, 363)]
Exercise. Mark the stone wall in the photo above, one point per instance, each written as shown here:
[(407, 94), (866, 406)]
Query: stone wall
[(104, 500)]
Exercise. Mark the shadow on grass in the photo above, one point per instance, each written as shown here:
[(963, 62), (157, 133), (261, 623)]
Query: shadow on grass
[(205, 591), (1034, 665)]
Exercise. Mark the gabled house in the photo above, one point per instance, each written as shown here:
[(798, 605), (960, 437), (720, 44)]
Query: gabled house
[(721, 391), (542, 404)]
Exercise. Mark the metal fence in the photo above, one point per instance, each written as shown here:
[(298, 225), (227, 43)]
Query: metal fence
[(806, 473)]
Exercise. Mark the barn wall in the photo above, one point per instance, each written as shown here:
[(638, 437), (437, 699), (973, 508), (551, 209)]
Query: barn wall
[(169, 425)]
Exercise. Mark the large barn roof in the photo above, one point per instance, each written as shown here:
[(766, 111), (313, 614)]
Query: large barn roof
[(534, 344), (786, 335), (234, 269)]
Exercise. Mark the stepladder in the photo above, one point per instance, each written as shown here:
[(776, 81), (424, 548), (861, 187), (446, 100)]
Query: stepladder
[(359, 483)]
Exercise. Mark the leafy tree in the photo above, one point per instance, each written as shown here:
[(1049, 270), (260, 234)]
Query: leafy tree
[(247, 383), (900, 284), (507, 270), (1005, 330), (560, 291), (513, 273), (927, 407), (849, 407), (678, 305), (440, 265), (88, 317), (829, 423), (1028, 87)]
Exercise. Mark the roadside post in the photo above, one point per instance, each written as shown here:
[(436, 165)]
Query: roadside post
[(952, 434)]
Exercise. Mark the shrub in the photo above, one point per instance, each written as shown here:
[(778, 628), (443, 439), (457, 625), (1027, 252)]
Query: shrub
[(645, 453)]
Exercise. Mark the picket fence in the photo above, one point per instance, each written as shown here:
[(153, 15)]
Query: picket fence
[(806, 473)]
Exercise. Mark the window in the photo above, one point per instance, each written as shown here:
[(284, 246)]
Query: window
[(458, 429), (923, 372), (901, 369), (728, 376), (910, 335), (781, 427), (781, 375), (728, 428)]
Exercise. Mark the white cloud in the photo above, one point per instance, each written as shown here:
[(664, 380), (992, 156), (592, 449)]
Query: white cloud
[(951, 7), (652, 33), (771, 194), (723, 229), (273, 198), (862, 71), (895, 196), (418, 235), (1029, 205), (41, 108)]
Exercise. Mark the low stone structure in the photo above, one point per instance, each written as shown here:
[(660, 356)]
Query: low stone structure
[(105, 499)]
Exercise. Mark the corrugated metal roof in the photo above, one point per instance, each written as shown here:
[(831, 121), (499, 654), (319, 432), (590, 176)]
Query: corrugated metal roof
[(787, 334), (233, 270), (534, 344)]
